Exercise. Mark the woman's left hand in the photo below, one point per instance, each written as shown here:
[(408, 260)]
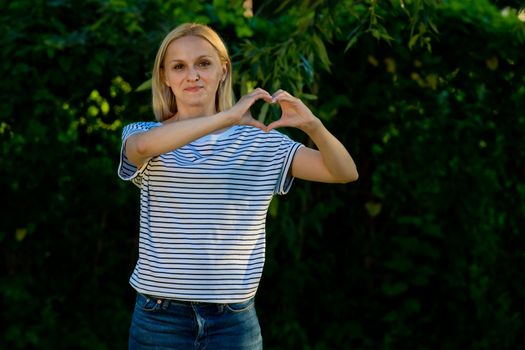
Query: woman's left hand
[(294, 113), (331, 162)]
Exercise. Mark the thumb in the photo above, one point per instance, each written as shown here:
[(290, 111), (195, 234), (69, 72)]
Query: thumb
[(257, 124), (276, 124)]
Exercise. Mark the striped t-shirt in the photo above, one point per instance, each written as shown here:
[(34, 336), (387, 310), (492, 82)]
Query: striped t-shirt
[(203, 211)]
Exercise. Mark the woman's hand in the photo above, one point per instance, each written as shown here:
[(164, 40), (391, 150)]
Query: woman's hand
[(331, 162), (240, 112), (294, 113)]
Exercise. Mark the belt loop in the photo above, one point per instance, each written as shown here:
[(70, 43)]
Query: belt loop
[(165, 303)]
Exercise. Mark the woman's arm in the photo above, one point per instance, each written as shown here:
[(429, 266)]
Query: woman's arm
[(142, 146), (331, 162)]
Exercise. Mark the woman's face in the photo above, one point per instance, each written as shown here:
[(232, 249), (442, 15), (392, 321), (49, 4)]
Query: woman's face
[(193, 71)]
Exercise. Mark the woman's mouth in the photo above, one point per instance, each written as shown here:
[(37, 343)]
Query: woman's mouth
[(193, 88)]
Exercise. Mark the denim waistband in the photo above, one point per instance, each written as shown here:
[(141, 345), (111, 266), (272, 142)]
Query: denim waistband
[(165, 301)]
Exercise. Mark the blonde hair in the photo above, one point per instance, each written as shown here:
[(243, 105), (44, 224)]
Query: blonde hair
[(164, 102)]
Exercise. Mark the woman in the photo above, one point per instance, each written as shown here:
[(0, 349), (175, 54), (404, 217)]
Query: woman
[(207, 172)]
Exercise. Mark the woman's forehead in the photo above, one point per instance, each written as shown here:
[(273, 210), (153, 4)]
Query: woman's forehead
[(190, 47)]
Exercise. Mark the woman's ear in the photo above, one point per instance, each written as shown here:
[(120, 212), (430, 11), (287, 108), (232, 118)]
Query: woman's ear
[(224, 72)]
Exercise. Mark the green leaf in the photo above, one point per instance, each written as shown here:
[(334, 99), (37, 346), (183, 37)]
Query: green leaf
[(144, 86), (320, 49), (20, 234)]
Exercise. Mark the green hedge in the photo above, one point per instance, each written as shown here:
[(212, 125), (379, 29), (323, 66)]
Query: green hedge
[(423, 252)]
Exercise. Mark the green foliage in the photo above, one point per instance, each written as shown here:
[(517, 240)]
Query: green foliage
[(423, 252)]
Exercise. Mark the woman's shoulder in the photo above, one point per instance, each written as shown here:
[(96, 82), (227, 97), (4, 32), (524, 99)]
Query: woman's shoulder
[(136, 127), (142, 126)]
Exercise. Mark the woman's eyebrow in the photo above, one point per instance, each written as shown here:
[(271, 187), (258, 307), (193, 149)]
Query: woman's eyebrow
[(196, 59)]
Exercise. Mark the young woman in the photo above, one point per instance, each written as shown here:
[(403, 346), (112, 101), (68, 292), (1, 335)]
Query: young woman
[(207, 172)]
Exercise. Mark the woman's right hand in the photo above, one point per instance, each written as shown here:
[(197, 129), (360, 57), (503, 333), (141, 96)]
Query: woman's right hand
[(240, 112)]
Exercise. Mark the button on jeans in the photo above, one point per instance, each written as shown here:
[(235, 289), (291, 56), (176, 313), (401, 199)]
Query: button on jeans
[(163, 324)]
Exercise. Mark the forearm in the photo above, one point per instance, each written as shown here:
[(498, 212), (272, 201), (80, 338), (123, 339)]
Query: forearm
[(337, 160), (168, 137)]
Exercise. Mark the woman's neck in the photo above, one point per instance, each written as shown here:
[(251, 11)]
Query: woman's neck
[(195, 112)]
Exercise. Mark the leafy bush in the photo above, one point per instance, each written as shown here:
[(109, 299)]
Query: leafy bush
[(424, 251)]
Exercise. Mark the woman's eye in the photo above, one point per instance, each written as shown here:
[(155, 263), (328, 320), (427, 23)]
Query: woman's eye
[(178, 66), (204, 63)]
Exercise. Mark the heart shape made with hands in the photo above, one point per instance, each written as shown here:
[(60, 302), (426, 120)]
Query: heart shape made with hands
[(294, 113)]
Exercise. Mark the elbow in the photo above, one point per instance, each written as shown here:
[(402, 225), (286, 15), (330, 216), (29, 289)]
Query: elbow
[(136, 150), (140, 147), (350, 173), (350, 176), (354, 177)]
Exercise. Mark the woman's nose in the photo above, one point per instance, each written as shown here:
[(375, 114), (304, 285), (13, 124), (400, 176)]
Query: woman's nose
[(193, 75)]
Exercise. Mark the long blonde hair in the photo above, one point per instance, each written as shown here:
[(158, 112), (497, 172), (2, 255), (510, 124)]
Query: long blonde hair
[(164, 102)]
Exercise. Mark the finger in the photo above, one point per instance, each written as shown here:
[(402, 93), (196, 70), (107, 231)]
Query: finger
[(280, 91), (248, 100), (259, 91), (259, 94), (276, 124), (276, 94), (256, 123), (283, 96), (247, 114)]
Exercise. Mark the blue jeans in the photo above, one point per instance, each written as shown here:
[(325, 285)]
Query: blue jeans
[(163, 324)]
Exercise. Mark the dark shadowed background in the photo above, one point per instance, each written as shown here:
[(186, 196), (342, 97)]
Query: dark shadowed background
[(424, 251)]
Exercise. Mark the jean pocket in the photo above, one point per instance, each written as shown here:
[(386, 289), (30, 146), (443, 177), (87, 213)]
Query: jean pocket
[(240, 307), (147, 303)]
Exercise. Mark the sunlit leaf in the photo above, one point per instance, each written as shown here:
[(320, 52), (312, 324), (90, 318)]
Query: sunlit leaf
[(20, 234), (144, 86), (321, 52)]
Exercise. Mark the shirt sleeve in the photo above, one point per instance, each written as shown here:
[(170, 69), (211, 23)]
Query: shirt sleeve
[(126, 170), (285, 180)]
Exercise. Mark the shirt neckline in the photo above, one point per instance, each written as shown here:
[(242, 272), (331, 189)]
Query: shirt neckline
[(217, 135)]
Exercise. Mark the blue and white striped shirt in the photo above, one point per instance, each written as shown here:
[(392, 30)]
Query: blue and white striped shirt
[(203, 211)]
